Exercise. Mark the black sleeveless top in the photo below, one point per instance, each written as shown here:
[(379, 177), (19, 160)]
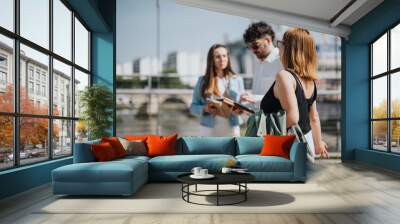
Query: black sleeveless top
[(270, 104)]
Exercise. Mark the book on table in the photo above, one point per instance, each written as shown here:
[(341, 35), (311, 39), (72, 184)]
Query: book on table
[(225, 106)]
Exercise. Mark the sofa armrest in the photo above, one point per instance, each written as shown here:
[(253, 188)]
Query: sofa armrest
[(83, 152), (298, 155)]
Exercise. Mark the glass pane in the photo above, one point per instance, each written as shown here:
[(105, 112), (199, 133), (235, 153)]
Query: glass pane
[(62, 29), (379, 55), (81, 131), (6, 74), (395, 94), (7, 14), (62, 138), (62, 89), (34, 97), (395, 138), (395, 47), (81, 81), (33, 139), (35, 21), (6, 142), (379, 97), (379, 135), (81, 45)]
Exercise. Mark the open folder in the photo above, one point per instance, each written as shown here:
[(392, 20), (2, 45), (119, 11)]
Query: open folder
[(225, 106)]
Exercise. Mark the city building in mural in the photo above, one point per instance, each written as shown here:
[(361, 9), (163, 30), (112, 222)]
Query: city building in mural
[(187, 65)]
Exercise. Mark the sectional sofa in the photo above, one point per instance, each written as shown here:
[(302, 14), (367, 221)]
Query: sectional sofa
[(125, 176)]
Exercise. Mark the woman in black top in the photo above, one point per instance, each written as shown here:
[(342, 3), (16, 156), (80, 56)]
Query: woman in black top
[(294, 89)]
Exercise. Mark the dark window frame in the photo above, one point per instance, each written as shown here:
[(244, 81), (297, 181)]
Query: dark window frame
[(16, 114), (388, 74)]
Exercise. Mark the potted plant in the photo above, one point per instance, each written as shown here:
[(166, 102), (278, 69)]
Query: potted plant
[(96, 102)]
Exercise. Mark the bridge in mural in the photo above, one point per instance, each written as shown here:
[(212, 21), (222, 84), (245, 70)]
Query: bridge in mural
[(150, 100)]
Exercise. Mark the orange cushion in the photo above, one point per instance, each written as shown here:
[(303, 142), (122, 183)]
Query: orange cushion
[(116, 145), (103, 152), (136, 137), (277, 145), (161, 145)]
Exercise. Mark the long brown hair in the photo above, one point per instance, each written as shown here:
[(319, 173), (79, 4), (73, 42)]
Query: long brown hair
[(210, 86), (300, 53)]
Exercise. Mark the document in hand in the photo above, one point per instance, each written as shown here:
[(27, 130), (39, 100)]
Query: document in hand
[(237, 105), (225, 106)]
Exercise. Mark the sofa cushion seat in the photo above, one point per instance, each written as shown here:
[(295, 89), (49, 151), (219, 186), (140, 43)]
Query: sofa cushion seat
[(257, 163), (131, 158), (112, 171), (184, 163)]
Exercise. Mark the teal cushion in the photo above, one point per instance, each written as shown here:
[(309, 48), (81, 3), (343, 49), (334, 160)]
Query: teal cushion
[(257, 163), (185, 163), (249, 145), (83, 152), (206, 145)]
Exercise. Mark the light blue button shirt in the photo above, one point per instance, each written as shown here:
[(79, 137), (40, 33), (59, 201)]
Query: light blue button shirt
[(235, 89)]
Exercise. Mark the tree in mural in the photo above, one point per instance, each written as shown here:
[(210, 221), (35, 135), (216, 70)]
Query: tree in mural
[(33, 131)]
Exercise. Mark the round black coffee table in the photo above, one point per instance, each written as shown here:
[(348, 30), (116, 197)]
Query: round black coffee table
[(238, 179)]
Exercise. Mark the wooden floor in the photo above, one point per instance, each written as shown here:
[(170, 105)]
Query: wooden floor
[(377, 188)]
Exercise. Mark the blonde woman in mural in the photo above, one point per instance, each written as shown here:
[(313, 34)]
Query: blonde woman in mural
[(294, 89)]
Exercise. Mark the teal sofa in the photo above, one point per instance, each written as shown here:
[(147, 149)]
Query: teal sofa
[(125, 176)]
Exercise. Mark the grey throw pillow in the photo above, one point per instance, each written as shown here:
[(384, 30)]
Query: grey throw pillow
[(134, 147)]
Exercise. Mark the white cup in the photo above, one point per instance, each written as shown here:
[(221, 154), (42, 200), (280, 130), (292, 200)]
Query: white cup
[(203, 172), (226, 170), (196, 171)]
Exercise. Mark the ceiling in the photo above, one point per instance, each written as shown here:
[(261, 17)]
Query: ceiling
[(326, 16)]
